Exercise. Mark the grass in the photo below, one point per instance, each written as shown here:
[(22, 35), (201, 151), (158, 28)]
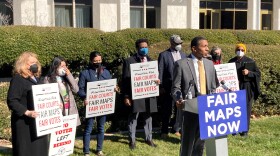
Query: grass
[(263, 140)]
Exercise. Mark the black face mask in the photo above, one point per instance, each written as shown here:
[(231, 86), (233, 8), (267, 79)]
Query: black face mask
[(33, 68), (96, 65), (216, 57)]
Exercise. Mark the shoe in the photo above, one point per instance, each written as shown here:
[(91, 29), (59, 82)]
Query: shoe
[(86, 154), (178, 134), (132, 146), (100, 153), (151, 143), (244, 134)]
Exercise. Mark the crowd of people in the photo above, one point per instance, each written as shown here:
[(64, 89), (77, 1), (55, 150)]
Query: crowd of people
[(176, 70)]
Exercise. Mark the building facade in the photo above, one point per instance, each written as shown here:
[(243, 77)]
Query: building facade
[(113, 15)]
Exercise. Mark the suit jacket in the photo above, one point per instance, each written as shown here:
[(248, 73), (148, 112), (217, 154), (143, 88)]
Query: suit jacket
[(71, 86), (165, 67), (184, 72), (138, 105)]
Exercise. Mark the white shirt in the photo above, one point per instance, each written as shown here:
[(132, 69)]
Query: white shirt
[(196, 70), (176, 55)]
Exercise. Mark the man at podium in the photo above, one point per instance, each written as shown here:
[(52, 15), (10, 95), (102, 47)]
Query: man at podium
[(193, 76)]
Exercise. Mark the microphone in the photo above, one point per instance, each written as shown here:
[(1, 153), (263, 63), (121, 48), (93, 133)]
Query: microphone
[(225, 87)]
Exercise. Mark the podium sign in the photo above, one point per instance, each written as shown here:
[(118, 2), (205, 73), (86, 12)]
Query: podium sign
[(222, 114)]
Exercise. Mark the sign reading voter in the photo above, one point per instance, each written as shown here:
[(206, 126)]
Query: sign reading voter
[(62, 141), (143, 77), (227, 77), (101, 98), (47, 103), (222, 114)]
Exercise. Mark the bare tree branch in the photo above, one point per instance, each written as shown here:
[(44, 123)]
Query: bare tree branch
[(9, 4)]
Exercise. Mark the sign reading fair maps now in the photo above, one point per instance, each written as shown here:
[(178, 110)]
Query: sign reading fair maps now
[(222, 114)]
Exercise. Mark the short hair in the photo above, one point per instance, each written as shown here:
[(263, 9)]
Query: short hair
[(141, 40), (195, 41), (20, 66), (93, 55)]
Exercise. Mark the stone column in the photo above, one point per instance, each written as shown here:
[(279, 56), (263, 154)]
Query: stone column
[(123, 14), (33, 12), (276, 15), (193, 14), (254, 15)]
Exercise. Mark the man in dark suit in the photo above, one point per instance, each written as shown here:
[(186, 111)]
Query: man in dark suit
[(145, 105), (166, 62), (201, 70)]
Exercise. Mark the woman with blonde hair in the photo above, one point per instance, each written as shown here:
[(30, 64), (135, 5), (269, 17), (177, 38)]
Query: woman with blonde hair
[(27, 70)]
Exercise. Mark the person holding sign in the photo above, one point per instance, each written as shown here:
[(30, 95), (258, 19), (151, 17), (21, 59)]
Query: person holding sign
[(27, 70), (194, 75), (143, 105), (166, 61), (59, 73), (95, 72), (249, 77)]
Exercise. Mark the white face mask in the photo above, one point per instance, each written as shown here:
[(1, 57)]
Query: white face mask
[(178, 47), (240, 53), (61, 72)]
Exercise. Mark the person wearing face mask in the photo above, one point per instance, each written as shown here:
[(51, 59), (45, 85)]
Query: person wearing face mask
[(59, 73), (145, 106), (216, 55), (166, 62), (26, 72), (249, 79), (94, 72)]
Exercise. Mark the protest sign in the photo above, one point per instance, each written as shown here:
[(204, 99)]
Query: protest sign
[(47, 103), (62, 141), (143, 76), (222, 114), (227, 77), (101, 98)]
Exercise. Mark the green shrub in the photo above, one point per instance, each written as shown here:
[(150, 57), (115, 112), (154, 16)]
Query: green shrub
[(76, 44)]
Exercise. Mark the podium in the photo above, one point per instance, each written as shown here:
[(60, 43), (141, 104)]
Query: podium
[(214, 146)]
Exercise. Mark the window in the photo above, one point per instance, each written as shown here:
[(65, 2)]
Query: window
[(151, 14), (64, 16)]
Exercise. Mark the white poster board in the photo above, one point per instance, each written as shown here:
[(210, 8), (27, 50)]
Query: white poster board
[(62, 141), (143, 76), (47, 103), (228, 74), (101, 98)]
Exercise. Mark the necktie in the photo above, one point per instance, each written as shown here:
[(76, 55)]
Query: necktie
[(202, 79)]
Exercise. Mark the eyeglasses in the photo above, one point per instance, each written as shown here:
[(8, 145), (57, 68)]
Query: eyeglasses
[(240, 50)]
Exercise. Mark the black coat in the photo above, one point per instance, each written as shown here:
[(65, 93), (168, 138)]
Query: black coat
[(250, 83), (138, 105), (24, 139)]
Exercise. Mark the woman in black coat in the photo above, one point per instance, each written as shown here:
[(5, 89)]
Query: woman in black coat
[(25, 142), (249, 77)]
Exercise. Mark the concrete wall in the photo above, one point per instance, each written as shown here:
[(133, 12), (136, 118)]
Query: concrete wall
[(111, 15), (33, 12)]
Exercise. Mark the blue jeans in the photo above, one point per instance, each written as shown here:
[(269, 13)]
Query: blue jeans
[(100, 133)]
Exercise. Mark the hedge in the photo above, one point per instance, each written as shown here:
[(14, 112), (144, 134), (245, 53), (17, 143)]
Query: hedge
[(75, 45)]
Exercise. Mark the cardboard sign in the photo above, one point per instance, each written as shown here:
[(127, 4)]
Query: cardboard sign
[(222, 114), (62, 141), (101, 98), (143, 76), (227, 77), (47, 103)]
